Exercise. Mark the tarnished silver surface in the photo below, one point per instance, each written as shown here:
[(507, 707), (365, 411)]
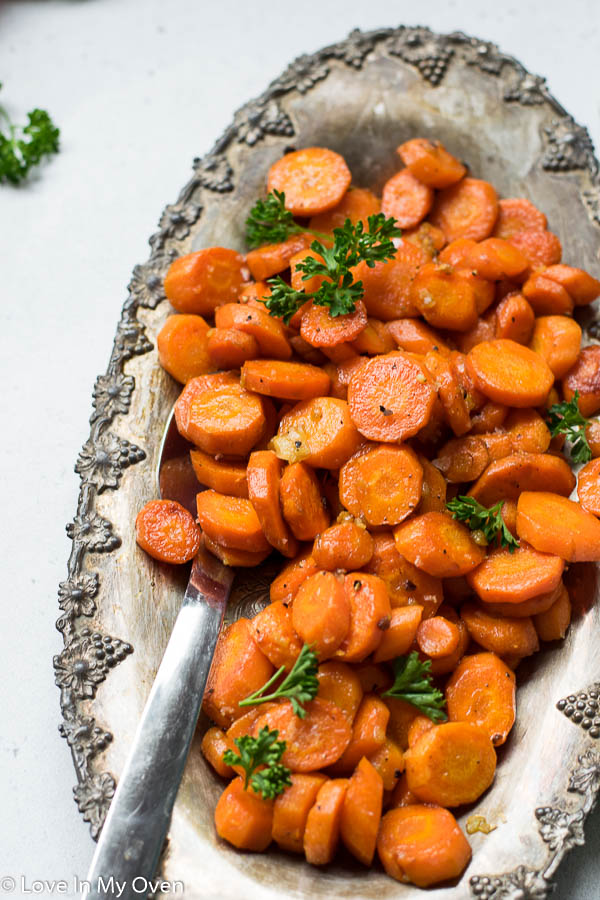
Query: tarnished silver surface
[(361, 97)]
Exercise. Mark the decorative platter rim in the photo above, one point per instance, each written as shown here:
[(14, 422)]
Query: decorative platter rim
[(90, 655)]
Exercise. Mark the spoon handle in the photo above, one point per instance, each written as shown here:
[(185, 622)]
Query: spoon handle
[(138, 819)]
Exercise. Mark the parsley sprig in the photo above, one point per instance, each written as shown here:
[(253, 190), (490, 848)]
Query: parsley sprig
[(413, 683), (300, 685), (566, 418), (264, 750), (351, 244), (487, 521), (270, 222), (22, 147)]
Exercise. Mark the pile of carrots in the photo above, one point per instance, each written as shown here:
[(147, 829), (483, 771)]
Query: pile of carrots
[(338, 442)]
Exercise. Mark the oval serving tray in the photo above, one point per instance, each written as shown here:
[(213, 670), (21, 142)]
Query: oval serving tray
[(361, 97)]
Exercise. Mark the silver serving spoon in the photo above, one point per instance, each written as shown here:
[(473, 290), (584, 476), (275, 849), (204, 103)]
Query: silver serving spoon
[(138, 819)]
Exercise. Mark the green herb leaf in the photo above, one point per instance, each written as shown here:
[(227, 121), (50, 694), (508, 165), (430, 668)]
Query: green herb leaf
[(299, 686), (566, 418), (413, 683), (22, 147), (283, 301), (264, 750), (270, 222), (480, 518)]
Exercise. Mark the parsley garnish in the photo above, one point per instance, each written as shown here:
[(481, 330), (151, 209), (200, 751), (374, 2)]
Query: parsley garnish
[(565, 418), (413, 684), (270, 222), (479, 518), (264, 750), (351, 244), (299, 686), (22, 147)]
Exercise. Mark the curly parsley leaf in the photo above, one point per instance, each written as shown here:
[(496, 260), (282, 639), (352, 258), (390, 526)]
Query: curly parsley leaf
[(22, 147), (264, 750), (481, 519), (299, 686), (413, 683), (269, 222), (566, 418)]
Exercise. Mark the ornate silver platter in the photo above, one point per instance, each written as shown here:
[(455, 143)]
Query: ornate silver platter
[(361, 97)]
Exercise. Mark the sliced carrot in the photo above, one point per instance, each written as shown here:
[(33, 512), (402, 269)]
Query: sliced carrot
[(222, 419), (427, 238), (398, 638), (183, 347), (357, 204), (312, 743), (231, 521), (319, 432), (509, 373), (506, 478), (374, 338), (322, 832), (302, 502), (444, 297), (442, 665), (557, 340), (492, 258), (238, 668), (263, 476), (437, 637), (285, 586), (344, 545), (554, 524), (433, 493), (254, 294), (592, 433), (451, 764), (474, 399), (370, 613), (483, 330), (200, 282), (402, 715), (361, 812), (274, 633), (533, 606), (373, 678), (505, 577), (401, 796), (194, 389), (382, 484), (430, 162), (308, 354), (244, 818), (223, 475), (419, 726), (291, 809), (580, 285), (388, 761), (313, 180), (518, 214), (527, 433), (438, 544), (387, 285), (450, 393), (541, 247), (465, 458), (320, 329), (416, 337), (390, 397), (422, 844), (552, 624), (482, 690), (321, 613), (406, 199), (268, 331), (213, 746), (514, 319), (584, 377), (547, 297), (588, 487), (340, 353), (489, 417), (270, 259), (501, 635), (167, 531), (341, 685), (229, 349), (467, 209), (406, 585), (232, 556), (368, 734)]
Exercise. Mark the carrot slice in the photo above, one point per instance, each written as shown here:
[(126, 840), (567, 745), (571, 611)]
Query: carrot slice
[(430, 162), (200, 282), (444, 297), (167, 531), (406, 199), (505, 636), (213, 746), (194, 389), (438, 544), (319, 432), (269, 260), (509, 373), (418, 726), (313, 180), (514, 319), (321, 613), (344, 545), (269, 333), (482, 690), (489, 417), (388, 762), (361, 812), (416, 337), (580, 285), (506, 478), (422, 844), (406, 584), (433, 492), (231, 521), (518, 214), (322, 832), (541, 247), (373, 678), (401, 796), (592, 433), (225, 476), (538, 604), (547, 297), (286, 380), (557, 340), (451, 764), (263, 476), (374, 338), (368, 734), (291, 809), (505, 577), (222, 419), (492, 258), (429, 239), (243, 818), (437, 637), (552, 624), (313, 742), (232, 556), (398, 638), (467, 209), (229, 349), (301, 502), (183, 347), (584, 377), (387, 285), (273, 631), (357, 204), (382, 484), (390, 397), (370, 613), (320, 329), (554, 524), (442, 665), (450, 392), (341, 685), (285, 586), (588, 487), (239, 667), (465, 458)]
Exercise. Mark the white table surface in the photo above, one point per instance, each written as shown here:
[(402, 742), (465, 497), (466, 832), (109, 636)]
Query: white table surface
[(139, 89)]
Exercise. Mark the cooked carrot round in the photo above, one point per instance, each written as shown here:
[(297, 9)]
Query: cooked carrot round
[(388, 762), (340, 684), (213, 746), (321, 613), (547, 297), (320, 329), (387, 285), (482, 690), (368, 734), (232, 556), (361, 812), (357, 204), (518, 214), (167, 531), (422, 844), (430, 162), (229, 349), (269, 333), (231, 521), (382, 484), (322, 832), (398, 638), (554, 524), (183, 347), (552, 624), (505, 577), (312, 743), (200, 282), (344, 545), (437, 637), (390, 398), (291, 809), (467, 209), (226, 419), (514, 319), (541, 247), (416, 337), (273, 631), (313, 180), (588, 487), (319, 432), (438, 544), (505, 636), (580, 285), (263, 476), (406, 584), (509, 373), (584, 377), (508, 477), (285, 380), (445, 297), (223, 475), (370, 614), (406, 199), (243, 818), (302, 503), (270, 259)]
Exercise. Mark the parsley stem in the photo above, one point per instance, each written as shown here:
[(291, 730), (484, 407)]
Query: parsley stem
[(256, 696)]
